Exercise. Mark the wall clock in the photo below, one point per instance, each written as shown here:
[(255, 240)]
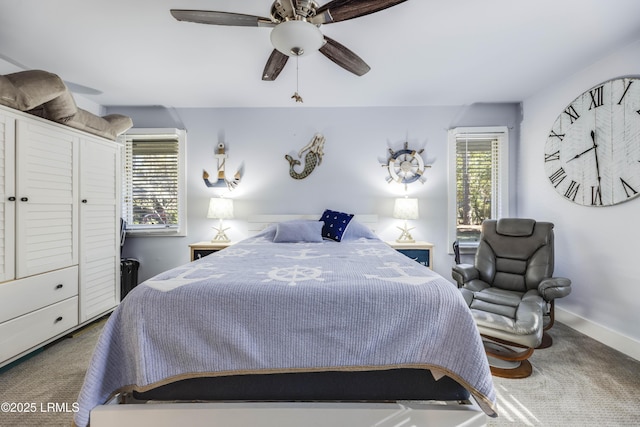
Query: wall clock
[(592, 153), (405, 166)]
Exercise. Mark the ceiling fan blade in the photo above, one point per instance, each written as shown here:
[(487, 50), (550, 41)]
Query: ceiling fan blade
[(221, 18), (275, 64), (344, 57), (341, 10)]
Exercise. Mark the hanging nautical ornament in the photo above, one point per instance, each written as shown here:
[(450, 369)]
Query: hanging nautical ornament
[(313, 158), (296, 96), (221, 180), (405, 166)]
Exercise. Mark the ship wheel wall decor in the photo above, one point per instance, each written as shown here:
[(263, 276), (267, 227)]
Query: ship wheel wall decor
[(405, 166)]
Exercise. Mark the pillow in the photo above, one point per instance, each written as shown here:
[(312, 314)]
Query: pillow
[(267, 233), (118, 123), (109, 126), (61, 108), (357, 230), (26, 90), (299, 231), (335, 224), (9, 94)]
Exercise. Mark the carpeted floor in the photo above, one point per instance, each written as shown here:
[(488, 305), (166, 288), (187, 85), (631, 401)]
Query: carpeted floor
[(576, 382), (50, 380)]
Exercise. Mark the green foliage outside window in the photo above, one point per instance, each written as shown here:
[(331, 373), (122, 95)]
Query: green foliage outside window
[(474, 187)]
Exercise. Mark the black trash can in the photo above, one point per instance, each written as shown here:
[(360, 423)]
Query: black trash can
[(128, 275)]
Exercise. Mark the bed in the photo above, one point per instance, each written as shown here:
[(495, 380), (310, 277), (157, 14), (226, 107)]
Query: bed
[(299, 312)]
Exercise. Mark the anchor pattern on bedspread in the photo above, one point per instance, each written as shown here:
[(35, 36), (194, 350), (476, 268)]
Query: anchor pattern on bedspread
[(372, 251), (304, 254), (402, 275), (198, 271)]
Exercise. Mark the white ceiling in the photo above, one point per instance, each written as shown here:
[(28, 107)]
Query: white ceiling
[(421, 52)]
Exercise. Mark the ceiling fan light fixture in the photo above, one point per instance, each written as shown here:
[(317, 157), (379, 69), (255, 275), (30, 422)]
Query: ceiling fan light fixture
[(296, 38)]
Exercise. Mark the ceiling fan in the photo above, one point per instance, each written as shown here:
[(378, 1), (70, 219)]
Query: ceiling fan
[(296, 30)]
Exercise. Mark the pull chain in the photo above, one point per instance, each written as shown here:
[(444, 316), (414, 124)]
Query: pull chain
[(296, 95)]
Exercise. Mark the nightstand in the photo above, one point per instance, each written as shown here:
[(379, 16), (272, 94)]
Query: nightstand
[(421, 252), (202, 249)]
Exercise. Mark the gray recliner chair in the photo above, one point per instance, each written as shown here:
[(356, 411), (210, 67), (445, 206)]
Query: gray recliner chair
[(510, 291)]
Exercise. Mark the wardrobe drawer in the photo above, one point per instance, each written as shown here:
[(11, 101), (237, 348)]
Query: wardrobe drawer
[(25, 332), (31, 293)]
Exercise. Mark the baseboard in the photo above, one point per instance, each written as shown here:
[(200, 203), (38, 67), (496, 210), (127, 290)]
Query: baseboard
[(611, 338)]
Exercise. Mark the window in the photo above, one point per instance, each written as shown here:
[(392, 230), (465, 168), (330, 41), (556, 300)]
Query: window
[(478, 181), (154, 184)]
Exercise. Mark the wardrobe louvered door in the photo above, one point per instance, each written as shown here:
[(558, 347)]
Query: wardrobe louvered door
[(7, 198), (59, 231), (46, 198), (99, 227)]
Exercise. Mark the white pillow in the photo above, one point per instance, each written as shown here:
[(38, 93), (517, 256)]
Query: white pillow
[(299, 230), (357, 230)]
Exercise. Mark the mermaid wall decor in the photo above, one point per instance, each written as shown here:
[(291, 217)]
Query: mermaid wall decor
[(314, 151)]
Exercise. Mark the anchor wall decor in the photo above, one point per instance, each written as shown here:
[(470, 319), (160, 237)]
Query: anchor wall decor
[(313, 158), (221, 180)]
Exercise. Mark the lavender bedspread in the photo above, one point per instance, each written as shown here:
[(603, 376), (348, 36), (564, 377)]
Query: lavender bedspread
[(264, 307)]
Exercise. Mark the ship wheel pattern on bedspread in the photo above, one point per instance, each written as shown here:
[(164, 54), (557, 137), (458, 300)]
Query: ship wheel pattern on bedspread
[(295, 274)]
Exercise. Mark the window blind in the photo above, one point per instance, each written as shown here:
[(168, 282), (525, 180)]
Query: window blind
[(477, 181), (151, 184)]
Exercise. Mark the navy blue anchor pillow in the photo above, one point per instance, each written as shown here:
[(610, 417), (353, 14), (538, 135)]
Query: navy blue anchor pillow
[(335, 224)]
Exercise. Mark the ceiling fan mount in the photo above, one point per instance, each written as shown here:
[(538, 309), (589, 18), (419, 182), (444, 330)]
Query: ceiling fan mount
[(285, 10), (296, 29)]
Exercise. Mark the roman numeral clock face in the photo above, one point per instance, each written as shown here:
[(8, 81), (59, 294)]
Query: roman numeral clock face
[(592, 154)]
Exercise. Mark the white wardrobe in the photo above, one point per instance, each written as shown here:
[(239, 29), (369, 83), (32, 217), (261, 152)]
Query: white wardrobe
[(59, 231)]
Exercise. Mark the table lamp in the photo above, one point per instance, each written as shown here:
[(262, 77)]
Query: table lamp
[(221, 209), (405, 208)]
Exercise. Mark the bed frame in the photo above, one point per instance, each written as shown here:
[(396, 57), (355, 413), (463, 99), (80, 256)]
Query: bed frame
[(328, 386), (367, 398), (290, 414)]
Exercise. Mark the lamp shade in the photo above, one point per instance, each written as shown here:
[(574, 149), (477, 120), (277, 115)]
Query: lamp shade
[(220, 208), (406, 208), (296, 38)]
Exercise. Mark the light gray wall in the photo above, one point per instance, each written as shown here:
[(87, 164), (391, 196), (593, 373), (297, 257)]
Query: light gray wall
[(350, 177), (597, 248)]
